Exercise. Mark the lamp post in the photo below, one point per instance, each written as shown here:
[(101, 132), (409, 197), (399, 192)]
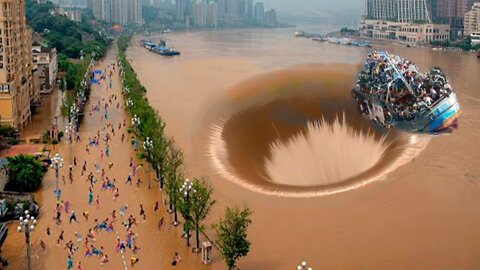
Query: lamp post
[(136, 124), (303, 266), (74, 114), (148, 148), (186, 188), (136, 121), (27, 224), (68, 132), (129, 102), (57, 163)]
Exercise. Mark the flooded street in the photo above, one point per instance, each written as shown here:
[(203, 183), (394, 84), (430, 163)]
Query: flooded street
[(156, 245), (44, 116), (238, 104)]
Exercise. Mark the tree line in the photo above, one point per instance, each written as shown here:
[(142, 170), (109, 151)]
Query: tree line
[(192, 200)]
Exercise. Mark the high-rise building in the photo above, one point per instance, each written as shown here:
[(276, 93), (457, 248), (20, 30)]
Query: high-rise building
[(15, 64), (398, 10), (249, 9), (199, 13), (180, 10), (451, 12), (271, 18), (134, 12), (212, 14), (259, 12), (89, 4), (241, 9), (45, 62), (222, 11), (102, 10), (124, 12), (232, 8), (472, 20)]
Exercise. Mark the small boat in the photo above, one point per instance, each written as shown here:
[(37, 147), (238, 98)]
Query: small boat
[(478, 54), (166, 51), (392, 92), (169, 52)]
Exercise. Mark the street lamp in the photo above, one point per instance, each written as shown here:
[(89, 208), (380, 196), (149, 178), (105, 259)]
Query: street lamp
[(186, 188), (303, 266), (148, 148), (136, 121), (68, 132), (129, 102), (73, 114), (57, 163), (27, 225)]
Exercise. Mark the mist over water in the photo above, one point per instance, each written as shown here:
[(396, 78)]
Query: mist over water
[(297, 132)]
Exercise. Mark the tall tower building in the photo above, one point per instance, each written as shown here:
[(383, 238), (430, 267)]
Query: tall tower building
[(241, 9), (102, 10), (180, 10), (472, 20), (212, 14), (249, 9), (451, 12), (259, 12), (398, 10), (222, 10), (15, 64)]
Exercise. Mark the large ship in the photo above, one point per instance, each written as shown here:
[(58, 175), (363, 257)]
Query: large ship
[(392, 92)]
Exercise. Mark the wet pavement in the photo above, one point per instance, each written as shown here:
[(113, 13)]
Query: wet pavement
[(156, 245)]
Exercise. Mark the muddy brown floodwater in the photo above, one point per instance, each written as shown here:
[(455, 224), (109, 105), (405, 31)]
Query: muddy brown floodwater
[(269, 119)]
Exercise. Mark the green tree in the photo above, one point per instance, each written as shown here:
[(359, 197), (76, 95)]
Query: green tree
[(160, 149), (202, 202), (232, 235), (194, 206), (173, 177), (185, 203), (25, 173)]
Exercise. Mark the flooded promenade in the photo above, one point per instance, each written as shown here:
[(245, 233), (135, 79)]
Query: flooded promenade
[(241, 105), (156, 246)]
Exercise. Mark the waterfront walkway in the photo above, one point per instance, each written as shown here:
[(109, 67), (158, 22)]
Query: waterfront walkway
[(156, 245)]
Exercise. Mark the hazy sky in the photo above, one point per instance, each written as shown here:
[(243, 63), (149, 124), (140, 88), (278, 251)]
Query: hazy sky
[(296, 6)]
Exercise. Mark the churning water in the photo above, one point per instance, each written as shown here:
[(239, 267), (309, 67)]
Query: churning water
[(297, 133), (325, 154)]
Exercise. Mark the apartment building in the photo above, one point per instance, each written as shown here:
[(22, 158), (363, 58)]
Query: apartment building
[(398, 10), (16, 80), (45, 62), (124, 12), (472, 20)]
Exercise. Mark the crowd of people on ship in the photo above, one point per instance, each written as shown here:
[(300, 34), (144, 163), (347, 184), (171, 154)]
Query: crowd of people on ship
[(401, 98)]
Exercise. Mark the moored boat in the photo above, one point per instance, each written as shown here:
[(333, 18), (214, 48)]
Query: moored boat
[(392, 92)]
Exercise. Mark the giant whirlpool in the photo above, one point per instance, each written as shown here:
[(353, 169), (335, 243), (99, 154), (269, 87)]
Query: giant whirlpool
[(297, 133)]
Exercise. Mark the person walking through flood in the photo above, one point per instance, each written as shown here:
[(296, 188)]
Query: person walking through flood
[(73, 217), (90, 196), (69, 262)]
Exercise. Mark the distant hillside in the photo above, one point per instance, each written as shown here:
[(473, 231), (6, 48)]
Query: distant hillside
[(67, 36)]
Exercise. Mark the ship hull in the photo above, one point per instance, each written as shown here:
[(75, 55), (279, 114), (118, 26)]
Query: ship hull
[(442, 116)]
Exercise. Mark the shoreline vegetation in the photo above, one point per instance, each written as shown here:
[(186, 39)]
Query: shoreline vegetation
[(78, 45), (166, 159), (345, 32)]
